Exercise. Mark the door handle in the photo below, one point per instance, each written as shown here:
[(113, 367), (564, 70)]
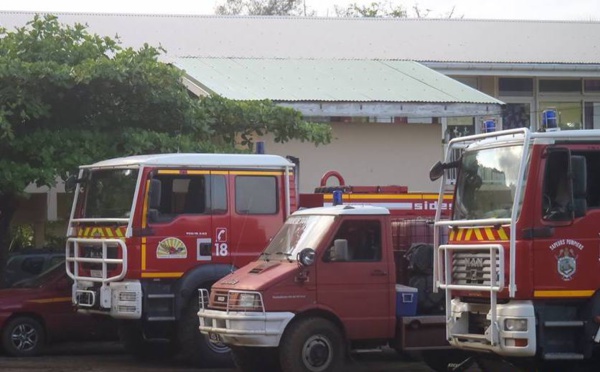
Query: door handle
[(378, 272)]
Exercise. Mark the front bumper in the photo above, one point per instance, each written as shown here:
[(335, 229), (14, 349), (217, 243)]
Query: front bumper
[(121, 300), (508, 343), (238, 328)]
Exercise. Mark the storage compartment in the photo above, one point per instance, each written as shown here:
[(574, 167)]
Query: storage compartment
[(406, 300)]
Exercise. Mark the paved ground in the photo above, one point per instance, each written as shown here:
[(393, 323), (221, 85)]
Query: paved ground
[(109, 357)]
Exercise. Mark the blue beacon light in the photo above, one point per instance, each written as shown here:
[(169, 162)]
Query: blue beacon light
[(337, 197), (549, 120)]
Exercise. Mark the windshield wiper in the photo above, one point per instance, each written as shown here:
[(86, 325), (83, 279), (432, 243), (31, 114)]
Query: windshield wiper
[(266, 255), (286, 254)]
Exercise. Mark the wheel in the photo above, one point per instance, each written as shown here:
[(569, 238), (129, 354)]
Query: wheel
[(22, 337), (195, 347), (312, 345), (132, 338), (253, 359)]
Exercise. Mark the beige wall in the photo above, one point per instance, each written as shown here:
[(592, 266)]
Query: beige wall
[(370, 154)]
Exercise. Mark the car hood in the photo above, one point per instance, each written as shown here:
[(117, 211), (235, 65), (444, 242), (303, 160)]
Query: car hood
[(258, 275)]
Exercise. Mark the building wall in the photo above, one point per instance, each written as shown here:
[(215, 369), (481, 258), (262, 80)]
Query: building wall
[(369, 154)]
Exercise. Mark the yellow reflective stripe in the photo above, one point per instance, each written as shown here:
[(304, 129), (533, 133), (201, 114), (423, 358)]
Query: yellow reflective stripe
[(489, 234), (451, 237), (168, 171), (460, 234), (564, 293), (109, 232), (469, 234), (478, 234), (193, 172), (219, 172), (119, 233), (254, 173), (143, 253), (502, 234), (51, 300), (161, 275)]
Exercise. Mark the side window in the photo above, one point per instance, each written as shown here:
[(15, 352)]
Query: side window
[(557, 202), (256, 195), (189, 194), (33, 265), (360, 241)]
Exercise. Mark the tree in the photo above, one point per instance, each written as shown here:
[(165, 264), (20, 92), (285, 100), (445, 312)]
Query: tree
[(68, 97), (264, 7), (375, 9), (385, 9)]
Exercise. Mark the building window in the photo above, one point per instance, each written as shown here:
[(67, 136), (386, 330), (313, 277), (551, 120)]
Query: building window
[(560, 86), (515, 87), (256, 195), (516, 115), (591, 86)]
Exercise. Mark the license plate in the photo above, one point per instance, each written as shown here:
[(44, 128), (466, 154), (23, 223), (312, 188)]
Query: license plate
[(214, 337), (96, 273)]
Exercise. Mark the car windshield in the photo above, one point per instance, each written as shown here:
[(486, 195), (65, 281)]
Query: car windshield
[(487, 183), (297, 233), (42, 278), (108, 193)]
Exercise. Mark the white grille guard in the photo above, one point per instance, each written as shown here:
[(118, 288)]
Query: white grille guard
[(73, 256)]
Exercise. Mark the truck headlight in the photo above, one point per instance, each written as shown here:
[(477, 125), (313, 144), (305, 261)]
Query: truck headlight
[(515, 325), (245, 301), (248, 300)]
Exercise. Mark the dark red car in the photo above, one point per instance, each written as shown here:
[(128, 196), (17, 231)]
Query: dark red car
[(38, 311)]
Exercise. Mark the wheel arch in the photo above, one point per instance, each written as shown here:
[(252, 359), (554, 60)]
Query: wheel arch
[(318, 313), (202, 276), (37, 317)]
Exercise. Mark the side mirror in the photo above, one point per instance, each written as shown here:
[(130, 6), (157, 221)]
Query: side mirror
[(339, 251), (306, 257), (436, 171), (154, 194)]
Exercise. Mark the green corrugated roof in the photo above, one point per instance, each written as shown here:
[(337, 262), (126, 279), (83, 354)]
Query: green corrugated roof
[(289, 80)]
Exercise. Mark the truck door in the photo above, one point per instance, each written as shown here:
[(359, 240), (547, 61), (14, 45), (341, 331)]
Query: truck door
[(357, 283), (193, 203), (566, 250), (257, 212)]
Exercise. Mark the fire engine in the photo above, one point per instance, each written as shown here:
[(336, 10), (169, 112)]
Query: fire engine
[(519, 269), (147, 231), (334, 280)]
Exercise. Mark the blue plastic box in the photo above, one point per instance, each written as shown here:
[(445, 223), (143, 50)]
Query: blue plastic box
[(406, 300)]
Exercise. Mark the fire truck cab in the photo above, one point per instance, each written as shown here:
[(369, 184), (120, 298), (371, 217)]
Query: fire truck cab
[(147, 231), (520, 268)]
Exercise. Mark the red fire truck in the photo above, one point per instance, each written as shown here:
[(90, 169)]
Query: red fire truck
[(328, 283), (520, 267), (147, 231)]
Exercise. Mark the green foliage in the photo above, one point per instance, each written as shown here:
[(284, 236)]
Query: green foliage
[(263, 7), (239, 121), (375, 9), (68, 97)]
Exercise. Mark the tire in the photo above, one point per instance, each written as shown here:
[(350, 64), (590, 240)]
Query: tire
[(132, 338), (195, 347), (253, 359), (23, 337), (312, 345)]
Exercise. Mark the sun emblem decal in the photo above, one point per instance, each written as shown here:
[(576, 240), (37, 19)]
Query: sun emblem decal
[(171, 248)]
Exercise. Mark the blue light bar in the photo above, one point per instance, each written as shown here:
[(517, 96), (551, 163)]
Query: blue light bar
[(489, 126), (549, 119), (337, 197)]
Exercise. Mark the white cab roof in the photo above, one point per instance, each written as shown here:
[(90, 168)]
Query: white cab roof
[(339, 210), (197, 161)]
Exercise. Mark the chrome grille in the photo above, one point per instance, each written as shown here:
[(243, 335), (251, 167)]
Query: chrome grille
[(474, 268)]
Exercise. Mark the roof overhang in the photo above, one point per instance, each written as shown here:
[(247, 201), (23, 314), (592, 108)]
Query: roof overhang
[(558, 70), (338, 87)]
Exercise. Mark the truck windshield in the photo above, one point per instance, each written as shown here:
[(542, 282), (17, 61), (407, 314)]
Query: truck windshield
[(297, 233), (487, 183), (108, 193)]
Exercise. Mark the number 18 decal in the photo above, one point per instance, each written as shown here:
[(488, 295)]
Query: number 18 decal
[(221, 248)]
